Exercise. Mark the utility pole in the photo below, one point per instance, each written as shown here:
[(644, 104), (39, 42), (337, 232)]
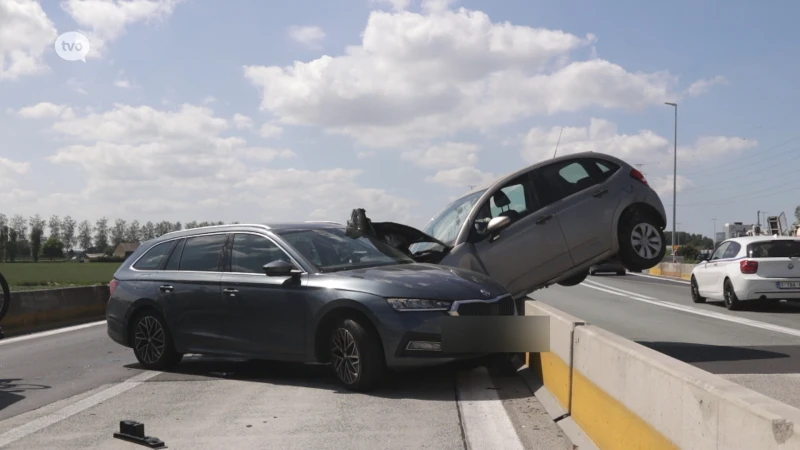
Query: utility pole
[(714, 236), (674, 177)]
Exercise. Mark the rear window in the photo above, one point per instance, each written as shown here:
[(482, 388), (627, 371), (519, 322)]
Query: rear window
[(774, 249), (607, 168), (154, 257)]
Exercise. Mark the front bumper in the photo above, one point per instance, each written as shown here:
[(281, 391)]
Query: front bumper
[(757, 288)]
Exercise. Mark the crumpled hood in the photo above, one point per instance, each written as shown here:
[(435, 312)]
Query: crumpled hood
[(427, 281), (395, 234)]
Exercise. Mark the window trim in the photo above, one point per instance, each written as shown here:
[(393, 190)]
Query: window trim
[(527, 181), (171, 246), (228, 268), (711, 257), (173, 240)]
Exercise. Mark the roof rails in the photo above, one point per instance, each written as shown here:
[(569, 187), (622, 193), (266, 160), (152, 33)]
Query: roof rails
[(227, 225), (322, 221)]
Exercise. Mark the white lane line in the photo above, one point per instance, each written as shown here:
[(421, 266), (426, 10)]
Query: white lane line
[(50, 332), (485, 420), (33, 426), (699, 312), (620, 290), (659, 278)]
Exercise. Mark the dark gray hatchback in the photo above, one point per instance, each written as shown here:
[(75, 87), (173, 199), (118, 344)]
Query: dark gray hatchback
[(305, 292)]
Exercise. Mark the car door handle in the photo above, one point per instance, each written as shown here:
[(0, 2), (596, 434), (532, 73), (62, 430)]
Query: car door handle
[(230, 291), (165, 288), (600, 193), (544, 219)]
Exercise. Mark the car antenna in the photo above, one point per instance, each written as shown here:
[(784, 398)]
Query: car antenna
[(558, 142)]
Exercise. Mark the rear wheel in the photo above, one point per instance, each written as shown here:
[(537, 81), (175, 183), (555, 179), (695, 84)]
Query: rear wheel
[(696, 292), (575, 279), (731, 300), (620, 272), (356, 356), (641, 243), (152, 341)]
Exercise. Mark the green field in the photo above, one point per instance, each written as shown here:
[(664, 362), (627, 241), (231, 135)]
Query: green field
[(47, 275)]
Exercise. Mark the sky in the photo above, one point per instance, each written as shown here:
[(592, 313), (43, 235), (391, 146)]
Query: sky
[(257, 111)]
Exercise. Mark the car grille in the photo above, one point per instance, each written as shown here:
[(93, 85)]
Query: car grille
[(502, 307)]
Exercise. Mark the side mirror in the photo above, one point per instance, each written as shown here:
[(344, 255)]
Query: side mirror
[(498, 224), (280, 268)]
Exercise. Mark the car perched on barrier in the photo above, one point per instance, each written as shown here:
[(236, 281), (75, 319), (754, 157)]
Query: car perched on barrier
[(547, 223), (749, 269), (305, 292)]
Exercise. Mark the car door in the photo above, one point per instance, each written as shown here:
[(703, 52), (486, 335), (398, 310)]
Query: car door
[(268, 314), (584, 203), (705, 273), (719, 268), (532, 249), (190, 293)]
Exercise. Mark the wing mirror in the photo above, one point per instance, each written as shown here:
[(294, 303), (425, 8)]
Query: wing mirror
[(498, 224), (280, 268)]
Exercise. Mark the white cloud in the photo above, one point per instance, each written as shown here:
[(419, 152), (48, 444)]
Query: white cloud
[(397, 5), (447, 155), (701, 87), (122, 83), (461, 177), (269, 130), (46, 110), (645, 146), (310, 36), (415, 77), (106, 20), (25, 33), (10, 168), (241, 121), (207, 100), (663, 185)]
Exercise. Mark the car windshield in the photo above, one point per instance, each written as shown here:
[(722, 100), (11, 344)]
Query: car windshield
[(774, 249), (448, 222), (335, 249)]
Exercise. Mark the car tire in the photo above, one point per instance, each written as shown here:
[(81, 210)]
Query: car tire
[(634, 254), (621, 272), (731, 300), (592, 273), (696, 298), (574, 280), (350, 342), (152, 341)]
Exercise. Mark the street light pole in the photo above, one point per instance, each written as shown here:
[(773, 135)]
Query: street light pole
[(714, 237), (674, 179)]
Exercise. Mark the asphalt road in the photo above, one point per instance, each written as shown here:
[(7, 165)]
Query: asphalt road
[(70, 389), (758, 348)]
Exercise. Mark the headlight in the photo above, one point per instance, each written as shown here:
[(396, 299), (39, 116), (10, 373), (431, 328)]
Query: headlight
[(418, 304)]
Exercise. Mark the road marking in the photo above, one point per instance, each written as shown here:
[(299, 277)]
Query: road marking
[(485, 420), (50, 332), (620, 290), (699, 312), (66, 412), (674, 280)]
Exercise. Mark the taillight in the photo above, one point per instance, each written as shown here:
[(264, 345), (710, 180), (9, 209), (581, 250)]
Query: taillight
[(748, 266), (639, 176), (112, 286)]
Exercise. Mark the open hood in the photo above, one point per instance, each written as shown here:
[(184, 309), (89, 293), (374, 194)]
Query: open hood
[(397, 235)]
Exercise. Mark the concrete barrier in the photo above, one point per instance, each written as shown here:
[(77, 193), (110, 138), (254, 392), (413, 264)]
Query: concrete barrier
[(625, 396), (673, 270), (32, 311)]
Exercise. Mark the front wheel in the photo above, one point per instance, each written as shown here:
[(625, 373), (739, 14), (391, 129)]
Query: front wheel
[(641, 243), (696, 298), (574, 280), (152, 342), (356, 356)]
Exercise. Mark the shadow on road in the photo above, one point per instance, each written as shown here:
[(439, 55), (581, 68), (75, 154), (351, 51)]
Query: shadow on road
[(726, 359), (11, 391), (431, 384)]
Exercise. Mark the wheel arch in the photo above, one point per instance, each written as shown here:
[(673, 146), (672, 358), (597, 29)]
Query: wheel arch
[(338, 311), (628, 211)]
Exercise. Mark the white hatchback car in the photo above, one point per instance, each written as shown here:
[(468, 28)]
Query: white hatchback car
[(762, 268)]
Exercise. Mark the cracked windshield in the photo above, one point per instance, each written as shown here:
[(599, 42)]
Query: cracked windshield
[(399, 224)]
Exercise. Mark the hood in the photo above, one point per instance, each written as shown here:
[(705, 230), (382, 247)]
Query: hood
[(395, 234), (416, 280)]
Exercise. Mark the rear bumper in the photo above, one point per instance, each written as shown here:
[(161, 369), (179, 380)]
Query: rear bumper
[(761, 288), (116, 331)]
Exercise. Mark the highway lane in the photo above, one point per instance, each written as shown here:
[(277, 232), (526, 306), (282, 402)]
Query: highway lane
[(71, 389), (759, 349)]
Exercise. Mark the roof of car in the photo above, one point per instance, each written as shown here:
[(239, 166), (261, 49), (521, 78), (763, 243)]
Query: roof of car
[(750, 239), (309, 225)]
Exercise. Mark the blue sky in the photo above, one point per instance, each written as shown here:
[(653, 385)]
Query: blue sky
[(431, 98)]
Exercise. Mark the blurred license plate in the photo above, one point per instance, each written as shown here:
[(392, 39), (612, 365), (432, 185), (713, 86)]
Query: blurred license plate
[(789, 285)]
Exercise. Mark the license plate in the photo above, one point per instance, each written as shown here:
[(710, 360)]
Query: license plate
[(789, 285)]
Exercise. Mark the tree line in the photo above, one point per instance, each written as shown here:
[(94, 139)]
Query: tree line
[(21, 237)]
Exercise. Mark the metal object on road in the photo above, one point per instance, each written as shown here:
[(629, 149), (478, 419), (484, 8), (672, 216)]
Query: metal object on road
[(132, 431)]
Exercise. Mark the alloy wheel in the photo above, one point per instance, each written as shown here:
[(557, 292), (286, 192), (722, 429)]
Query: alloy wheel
[(646, 240), (149, 340), (345, 356)]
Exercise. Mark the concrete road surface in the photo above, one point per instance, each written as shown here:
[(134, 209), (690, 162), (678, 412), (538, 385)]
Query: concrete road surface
[(757, 348), (71, 388)]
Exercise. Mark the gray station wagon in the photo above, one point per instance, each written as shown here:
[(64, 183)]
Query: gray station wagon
[(547, 223), (304, 292)]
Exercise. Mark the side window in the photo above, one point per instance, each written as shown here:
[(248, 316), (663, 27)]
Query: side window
[(202, 253), (515, 200), (732, 250), (720, 250), (251, 252), (568, 178), (175, 257), (607, 168), (154, 257)]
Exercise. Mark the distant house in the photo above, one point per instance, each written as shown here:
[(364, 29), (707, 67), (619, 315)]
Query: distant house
[(125, 249)]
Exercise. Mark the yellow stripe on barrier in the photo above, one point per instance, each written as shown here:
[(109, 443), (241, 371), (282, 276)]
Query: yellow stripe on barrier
[(655, 270), (608, 422), (554, 374)]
